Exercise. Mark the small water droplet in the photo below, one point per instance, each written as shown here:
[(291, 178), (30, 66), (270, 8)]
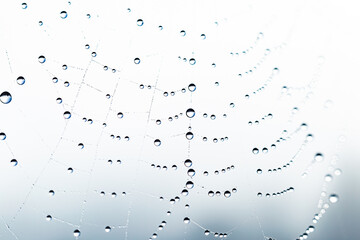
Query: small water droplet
[(318, 157), (255, 151), (63, 14), (14, 162), (20, 80), (41, 59), (5, 97), (190, 113), (137, 60), (186, 220), (182, 33), (140, 22), (333, 198), (189, 135), (227, 194), (107, 229), (77, 233), (192, 61), (48, 218), (24, 6)]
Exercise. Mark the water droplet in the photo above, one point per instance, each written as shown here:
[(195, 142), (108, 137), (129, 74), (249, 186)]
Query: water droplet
[(328, 178), (93, 54), (160, 27), (20, 80), (77, 233), (191, 172), (24, 6), (189, 135), (182, 33), (259, 171), (190, 113), (81, 146), (40, 23), (41, 59), (264, 150), (70, 170), (120, 115), (137, 60), (337, 171), (255, 151), (63, 14), (192, 87), (140, 22), (58, 100), (318, 157), (107, 229), (333, 198), (207, 232), (186, 220), (14, 162), (189, 185), (203, 36), (67, 115), (192, 61), (51, 193), (48, 218), (188, 163), (5, 97), (64, 67), (157, 142), (227, 194)]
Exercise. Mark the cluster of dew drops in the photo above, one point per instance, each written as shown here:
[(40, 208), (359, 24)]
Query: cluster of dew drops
[(6, 98)]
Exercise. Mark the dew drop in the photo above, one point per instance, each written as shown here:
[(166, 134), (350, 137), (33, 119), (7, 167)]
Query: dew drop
[(63, 14), (189, 185), (192, 61), (227, 194), (107, 229), (186, 220), (189, 135), (333, 198), (137, 60), (20, 80), (5, 97), (182, 33), (24, 6), (190, 113), (41, 59), (157, 142), (67, 115), (255, 151), (318, 157), (14, 162), (77, 233), (140, 22), (192, 87)]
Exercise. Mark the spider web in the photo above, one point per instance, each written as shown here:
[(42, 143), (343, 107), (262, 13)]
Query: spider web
[(102, 130)]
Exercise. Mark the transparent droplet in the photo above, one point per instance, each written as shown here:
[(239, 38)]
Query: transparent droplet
[(318, 157), (255, 151), (81, 145), (67, 115), (48, 218), (107, 229), (192, 87), (190, 113), (20, 80), (77, 233), (120, 115), (186, 220), (5, 97), (58, 100), (182, 33), (192, 61), (24, 6), (160, 27), (211, 193), (41, 59), (328, 178), (259, 171), (189, 135), (70, 170), (188, 163), (137, 60), (264, 150), (93, 54), (333, 198), (14, 162), (189, 185), (191, 172), (227, 194), (337, 171), (140, 22), (203, 36), (157, 142), (41, 23), (51, 193), (63, 14)]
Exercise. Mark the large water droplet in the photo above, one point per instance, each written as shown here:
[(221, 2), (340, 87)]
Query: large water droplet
[(190, 113), (14, 162), (227, 194), (189, 135), (67, 115), (77, 233), (5, 97), (157, 142)]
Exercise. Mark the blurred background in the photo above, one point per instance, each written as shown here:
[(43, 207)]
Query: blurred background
[(179, 120)]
